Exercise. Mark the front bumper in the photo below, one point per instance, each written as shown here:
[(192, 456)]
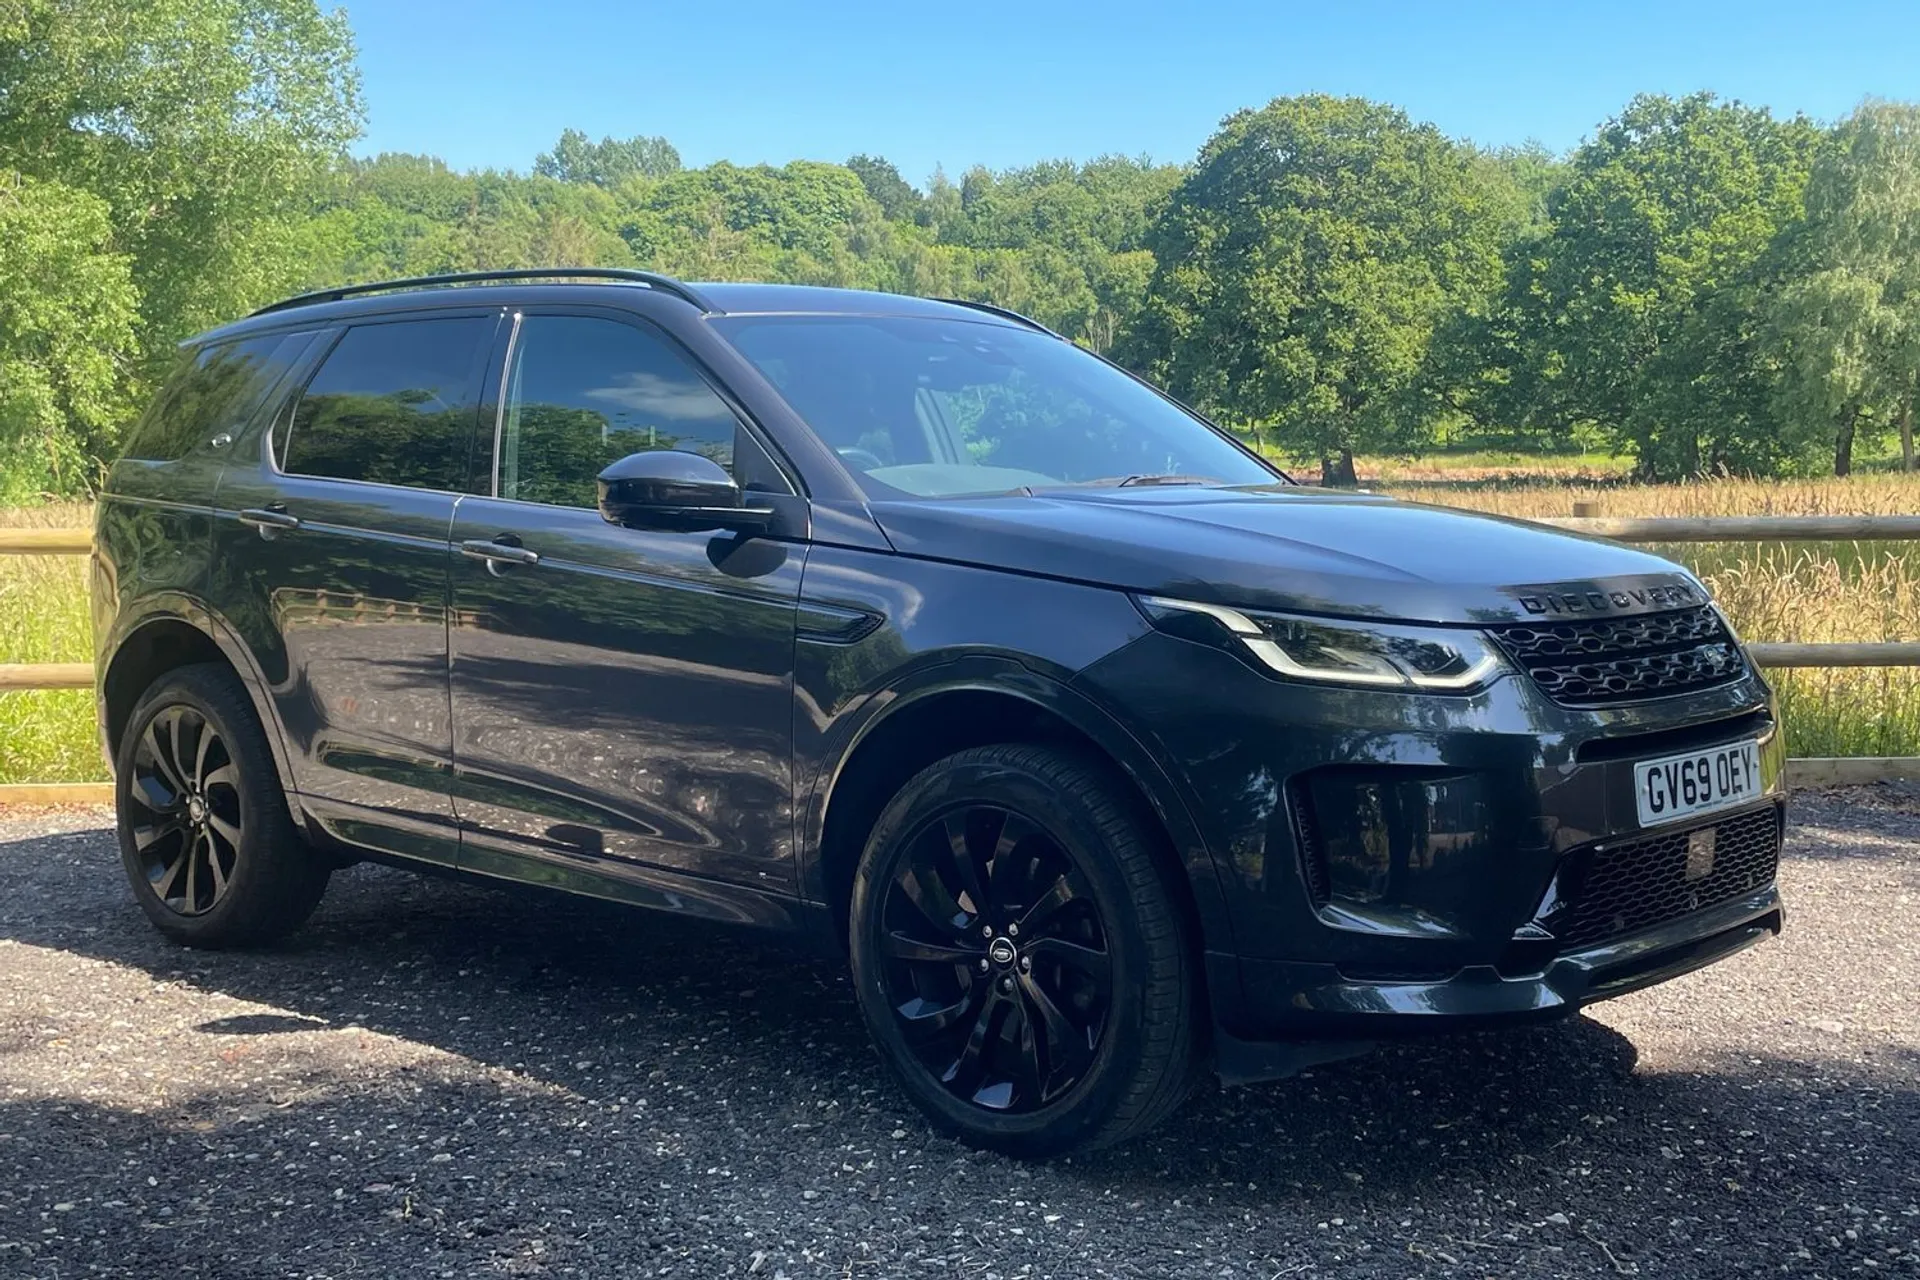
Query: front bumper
[(1474, 917)]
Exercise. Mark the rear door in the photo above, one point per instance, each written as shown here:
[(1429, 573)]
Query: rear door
[(619, 695), (331, 557)]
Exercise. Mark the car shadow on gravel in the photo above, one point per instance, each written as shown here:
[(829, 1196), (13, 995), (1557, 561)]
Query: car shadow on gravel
[(550, 986), (661, 1069), (250, 1185)]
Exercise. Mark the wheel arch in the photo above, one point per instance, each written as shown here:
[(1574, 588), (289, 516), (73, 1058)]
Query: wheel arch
[(176, 634), (976, 707)]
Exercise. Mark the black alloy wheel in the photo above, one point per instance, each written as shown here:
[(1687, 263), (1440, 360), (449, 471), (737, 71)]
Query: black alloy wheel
[(185, 810), (997, 963), (1022, 954), (205, 834)]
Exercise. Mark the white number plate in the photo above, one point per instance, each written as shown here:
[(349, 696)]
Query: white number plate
[(1693, 782)]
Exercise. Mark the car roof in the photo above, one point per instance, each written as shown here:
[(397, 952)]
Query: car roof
[(720, 298)]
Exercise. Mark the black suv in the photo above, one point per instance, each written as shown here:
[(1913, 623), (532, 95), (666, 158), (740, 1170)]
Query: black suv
[(1101, 748)]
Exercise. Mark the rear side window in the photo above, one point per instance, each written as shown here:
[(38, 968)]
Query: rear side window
[(584, 392), (392, 404), (217, 388)]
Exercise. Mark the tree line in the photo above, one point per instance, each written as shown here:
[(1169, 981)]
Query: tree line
[(1701, 285)]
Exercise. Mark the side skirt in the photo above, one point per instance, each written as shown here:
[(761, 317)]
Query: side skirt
[(605, 879)]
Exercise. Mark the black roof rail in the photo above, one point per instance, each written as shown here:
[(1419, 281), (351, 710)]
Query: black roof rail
[(653, 280), (1005, 313)]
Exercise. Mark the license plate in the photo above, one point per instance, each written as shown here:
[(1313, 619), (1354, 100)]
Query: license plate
[(1674, 787)]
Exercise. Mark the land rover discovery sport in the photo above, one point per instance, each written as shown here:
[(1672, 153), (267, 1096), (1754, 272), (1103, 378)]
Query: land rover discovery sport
[(1102, 750)]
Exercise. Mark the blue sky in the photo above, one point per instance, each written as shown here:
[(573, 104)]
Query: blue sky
[(492, 83)]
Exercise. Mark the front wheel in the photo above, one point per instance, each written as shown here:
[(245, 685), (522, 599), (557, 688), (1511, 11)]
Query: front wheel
[(208, 844), (1019, 955)]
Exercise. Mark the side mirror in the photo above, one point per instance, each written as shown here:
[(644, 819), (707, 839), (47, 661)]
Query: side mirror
[(671, 489)]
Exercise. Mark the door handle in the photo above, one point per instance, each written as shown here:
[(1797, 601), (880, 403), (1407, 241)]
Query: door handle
[(498, 554), (270, 521)]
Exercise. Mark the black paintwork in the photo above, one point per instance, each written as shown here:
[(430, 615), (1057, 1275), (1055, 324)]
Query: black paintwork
[(668, 715)]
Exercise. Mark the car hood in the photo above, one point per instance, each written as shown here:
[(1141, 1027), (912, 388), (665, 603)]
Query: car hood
[(1293, 548)]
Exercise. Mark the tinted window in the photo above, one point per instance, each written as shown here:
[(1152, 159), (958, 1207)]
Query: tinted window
[(214, 389), (582, 393), (393, 404), (932, 407)]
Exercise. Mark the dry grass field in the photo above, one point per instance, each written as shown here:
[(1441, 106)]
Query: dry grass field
[(1883, 494), (1806, 592)]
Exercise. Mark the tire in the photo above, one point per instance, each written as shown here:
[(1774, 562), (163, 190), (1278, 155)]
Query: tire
[(205, 836), (1005, 1041)]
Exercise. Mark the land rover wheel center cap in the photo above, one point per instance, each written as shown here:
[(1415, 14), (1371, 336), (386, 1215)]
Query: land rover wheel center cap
[(1002, 952)]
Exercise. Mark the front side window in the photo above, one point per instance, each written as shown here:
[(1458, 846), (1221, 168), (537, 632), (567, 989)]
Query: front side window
[(584, 392), (217, 388), (393, 403), (932, 407)]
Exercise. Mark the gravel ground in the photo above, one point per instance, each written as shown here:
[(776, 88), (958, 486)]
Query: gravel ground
[(436, 1079)]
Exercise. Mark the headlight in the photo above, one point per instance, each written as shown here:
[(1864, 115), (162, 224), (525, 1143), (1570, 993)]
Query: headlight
[(1319, 649)]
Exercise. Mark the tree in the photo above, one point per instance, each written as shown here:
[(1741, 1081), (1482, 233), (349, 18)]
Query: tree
[(203, 125), (1302, 269), (897, 199), (608, 162), (1647, 283), (1485, 367), (1530, 175), (1846, 325), (66, 324), (941, 208)]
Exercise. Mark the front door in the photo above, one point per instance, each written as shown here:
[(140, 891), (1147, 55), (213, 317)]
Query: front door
[(332, 558), (619, 695)]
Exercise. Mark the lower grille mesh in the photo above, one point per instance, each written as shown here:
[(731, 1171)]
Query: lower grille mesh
[(1628, 887)]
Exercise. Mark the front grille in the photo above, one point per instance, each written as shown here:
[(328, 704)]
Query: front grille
[(1624, 888), (1595, 661)]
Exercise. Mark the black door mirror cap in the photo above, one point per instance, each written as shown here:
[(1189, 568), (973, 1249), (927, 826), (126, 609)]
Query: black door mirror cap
[(674, 489)]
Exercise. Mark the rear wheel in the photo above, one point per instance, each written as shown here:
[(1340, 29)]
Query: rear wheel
[(1019, 956), (205, 836)]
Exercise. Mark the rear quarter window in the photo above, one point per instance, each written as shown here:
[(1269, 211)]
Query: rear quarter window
[(215, 388)]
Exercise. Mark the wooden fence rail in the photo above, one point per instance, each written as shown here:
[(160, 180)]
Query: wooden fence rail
[(1894, 653), (46, 542), (1829, 771), (45, 675), (1741, 528)]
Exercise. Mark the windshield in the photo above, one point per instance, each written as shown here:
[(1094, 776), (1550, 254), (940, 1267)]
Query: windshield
[(937, 407)]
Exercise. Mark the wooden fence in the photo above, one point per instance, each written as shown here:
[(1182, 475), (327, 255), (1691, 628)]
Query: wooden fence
[(1818, 771)]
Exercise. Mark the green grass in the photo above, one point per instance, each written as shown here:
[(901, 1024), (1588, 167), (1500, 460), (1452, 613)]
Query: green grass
[(1850, 713), (46, 735)]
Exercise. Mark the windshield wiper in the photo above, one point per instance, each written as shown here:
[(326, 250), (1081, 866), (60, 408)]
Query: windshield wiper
[(1165, 479), (1122, 482)]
